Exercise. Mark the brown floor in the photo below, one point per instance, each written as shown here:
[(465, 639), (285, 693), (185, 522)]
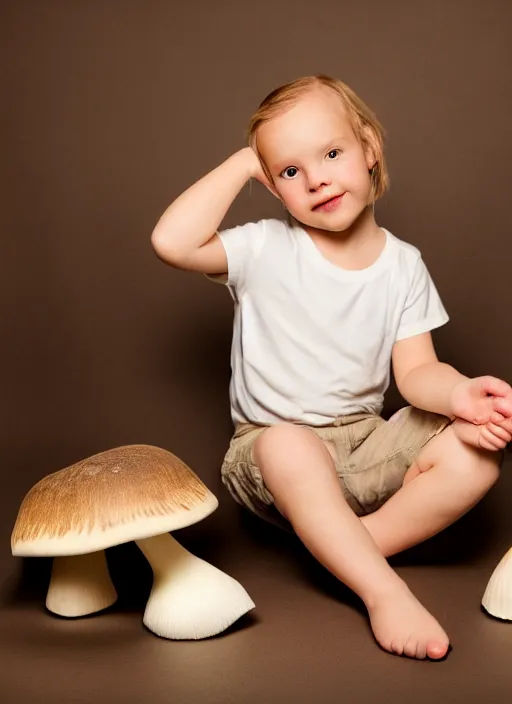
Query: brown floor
[(307, 640)]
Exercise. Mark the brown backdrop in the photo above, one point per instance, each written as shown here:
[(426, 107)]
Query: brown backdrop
[(110, 110)]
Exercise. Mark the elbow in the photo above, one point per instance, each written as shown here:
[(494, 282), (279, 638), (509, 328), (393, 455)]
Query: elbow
[(404, 393), (408, 378), (405, 386), (158, 242), (163, 248)]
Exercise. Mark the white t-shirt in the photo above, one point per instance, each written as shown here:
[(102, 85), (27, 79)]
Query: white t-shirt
[(313, 341)]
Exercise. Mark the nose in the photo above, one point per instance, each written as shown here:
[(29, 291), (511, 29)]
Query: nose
[(316, 179)]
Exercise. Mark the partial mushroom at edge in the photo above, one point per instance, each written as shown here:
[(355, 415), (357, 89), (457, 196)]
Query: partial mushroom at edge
[(497, 598)]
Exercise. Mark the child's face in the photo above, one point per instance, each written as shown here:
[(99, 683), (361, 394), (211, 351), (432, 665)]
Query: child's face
[(313, 154)]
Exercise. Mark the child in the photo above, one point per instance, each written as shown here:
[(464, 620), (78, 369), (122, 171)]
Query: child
[(324, 303)]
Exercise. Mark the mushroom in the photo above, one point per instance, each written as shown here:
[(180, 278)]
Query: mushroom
[(139, 493), (497, 598)]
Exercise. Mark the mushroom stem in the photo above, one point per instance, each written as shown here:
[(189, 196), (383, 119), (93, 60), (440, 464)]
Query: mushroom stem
[(190, 598), (80, 585), (497, 598)]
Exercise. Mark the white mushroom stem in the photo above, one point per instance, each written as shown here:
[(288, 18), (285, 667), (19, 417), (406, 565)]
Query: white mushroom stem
[(80, 585), (190, 598), (497, 598)]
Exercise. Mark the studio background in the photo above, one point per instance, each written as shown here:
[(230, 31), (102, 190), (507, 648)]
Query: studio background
[(112, 109)]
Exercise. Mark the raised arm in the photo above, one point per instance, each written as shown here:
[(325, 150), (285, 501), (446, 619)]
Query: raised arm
[(185, 235)]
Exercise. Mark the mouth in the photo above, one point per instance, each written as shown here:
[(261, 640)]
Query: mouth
[(329, 204)]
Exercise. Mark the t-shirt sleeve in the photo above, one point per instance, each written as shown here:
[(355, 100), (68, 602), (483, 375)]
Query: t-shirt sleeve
[(242, 245), (423, 310)]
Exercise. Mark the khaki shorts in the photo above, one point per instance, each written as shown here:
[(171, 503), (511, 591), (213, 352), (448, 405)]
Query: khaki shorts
[(371, 454)]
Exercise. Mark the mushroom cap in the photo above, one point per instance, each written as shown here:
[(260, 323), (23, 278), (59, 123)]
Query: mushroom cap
[(123, 494)]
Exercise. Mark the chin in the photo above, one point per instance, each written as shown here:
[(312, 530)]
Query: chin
[(333, 223)]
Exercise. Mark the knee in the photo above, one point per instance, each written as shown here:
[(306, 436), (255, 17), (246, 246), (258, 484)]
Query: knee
[(487, 467), (482, 467), (284, 447), (466, 463)]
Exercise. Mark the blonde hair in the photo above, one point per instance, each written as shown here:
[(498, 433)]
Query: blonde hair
[(365, 124)]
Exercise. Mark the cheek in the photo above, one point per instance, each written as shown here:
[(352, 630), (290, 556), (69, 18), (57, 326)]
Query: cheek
[(360, 175), (363, 184), (292, 196)]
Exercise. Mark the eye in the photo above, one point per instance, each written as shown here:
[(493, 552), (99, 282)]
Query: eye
[(335, 152), (286, 173)]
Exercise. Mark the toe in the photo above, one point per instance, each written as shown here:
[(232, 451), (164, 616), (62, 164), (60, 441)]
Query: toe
[(396, 648), (415, 648), (436, 650), (411, 647), (421, 651)]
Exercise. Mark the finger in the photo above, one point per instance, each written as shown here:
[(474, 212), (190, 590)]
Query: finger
[(486, 445), (506, 425), (503, 406), (489, 441), (499, 432), (494, 386), (501, 421)]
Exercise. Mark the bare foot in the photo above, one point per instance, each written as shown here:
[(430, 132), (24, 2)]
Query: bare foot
[(403, 626)]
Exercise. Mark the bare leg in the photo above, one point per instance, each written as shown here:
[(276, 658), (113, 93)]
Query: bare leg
[(299, 471), (448, 478)]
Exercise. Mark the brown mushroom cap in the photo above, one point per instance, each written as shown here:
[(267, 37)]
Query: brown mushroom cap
[(123, 494)]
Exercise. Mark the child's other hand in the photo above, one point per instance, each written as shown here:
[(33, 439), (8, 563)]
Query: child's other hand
[(493, 435), (498, 429)]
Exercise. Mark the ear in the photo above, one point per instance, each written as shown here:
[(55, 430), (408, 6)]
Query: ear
[(370, 160), (370, 149)]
